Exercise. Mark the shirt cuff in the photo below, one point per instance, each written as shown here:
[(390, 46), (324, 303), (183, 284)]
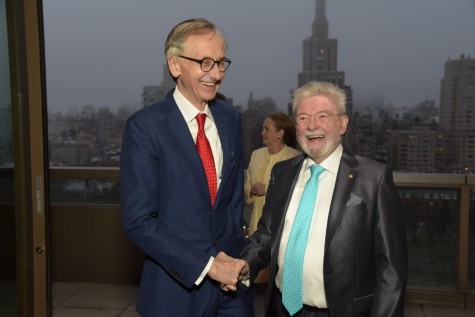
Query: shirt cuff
[(205, 271), (246, 281)]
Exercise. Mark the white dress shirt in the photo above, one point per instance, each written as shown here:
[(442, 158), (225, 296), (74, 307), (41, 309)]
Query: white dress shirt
[(189, 112), (313, 285)]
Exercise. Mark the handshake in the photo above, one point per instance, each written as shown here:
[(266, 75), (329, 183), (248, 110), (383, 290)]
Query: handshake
[(228, 271)]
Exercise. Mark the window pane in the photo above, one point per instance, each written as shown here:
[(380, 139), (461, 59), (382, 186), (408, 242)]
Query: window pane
[(84, 191), (431, 228), (7, 211), (101, 67), (471, 244)]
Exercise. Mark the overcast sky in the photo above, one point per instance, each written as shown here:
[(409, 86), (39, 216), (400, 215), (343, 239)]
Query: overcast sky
[(102, 52)]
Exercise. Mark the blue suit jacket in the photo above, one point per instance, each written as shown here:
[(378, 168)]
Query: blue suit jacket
[(166, 209)]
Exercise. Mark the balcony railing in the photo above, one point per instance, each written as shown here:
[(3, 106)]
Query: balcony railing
[(439, 212)]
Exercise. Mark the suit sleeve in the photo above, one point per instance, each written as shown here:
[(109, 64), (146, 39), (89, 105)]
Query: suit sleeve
[(390, 250), (257, 251)]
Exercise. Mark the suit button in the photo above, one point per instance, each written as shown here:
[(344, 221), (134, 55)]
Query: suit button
[(176, 274), (216, 242)]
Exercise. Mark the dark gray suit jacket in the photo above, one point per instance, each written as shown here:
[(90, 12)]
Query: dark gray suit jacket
[(365, 261)]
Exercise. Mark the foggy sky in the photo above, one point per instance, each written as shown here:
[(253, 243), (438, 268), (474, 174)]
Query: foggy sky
[(102, 52)]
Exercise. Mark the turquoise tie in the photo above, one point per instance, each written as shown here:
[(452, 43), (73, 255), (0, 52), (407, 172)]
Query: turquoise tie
[(294, 255)]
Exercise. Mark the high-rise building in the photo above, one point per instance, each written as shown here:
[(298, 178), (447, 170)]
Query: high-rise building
[(320, 59), (457, 111), (320, 53), (154, 93), (419, 148)]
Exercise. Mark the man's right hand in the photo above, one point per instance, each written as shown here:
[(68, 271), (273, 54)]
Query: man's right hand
[(226, 270)]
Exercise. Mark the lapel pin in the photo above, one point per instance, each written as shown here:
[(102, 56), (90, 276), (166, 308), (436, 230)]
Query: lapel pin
[(350, 176)]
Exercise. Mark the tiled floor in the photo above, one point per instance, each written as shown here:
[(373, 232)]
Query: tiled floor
[(94, 300), (107, 300)]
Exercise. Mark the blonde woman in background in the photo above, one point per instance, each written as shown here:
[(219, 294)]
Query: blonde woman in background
[(279, 137)]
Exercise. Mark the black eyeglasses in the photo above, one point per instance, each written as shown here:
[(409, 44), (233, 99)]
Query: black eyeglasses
[(208, 63)]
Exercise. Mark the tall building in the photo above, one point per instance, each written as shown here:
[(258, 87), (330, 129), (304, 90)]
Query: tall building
[(320, 59), (154, 93), (420, 148), (320, 53), (457, 111)]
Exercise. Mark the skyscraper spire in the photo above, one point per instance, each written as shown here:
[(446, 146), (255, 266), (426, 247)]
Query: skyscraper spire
[(320, 52), (320, 24), (320, 57)]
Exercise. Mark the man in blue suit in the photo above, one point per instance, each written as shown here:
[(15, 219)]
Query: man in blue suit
[(189, 228)]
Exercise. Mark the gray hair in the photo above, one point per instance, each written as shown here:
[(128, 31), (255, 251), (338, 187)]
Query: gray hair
[(315, 88), (178, 35)]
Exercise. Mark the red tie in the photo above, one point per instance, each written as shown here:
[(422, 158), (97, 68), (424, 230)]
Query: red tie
[(204, 149)]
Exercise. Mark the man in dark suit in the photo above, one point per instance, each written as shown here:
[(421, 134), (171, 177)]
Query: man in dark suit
[(353, 260), (182, 202)]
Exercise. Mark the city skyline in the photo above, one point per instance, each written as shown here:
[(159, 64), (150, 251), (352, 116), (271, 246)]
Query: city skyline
[(389, 51)]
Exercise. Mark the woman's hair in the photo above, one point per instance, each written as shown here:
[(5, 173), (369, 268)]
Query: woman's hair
[(178, 35), (316, 88), (285, 122)]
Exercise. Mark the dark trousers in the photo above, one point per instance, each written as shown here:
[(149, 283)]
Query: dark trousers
[(306, 311), (228, 304)]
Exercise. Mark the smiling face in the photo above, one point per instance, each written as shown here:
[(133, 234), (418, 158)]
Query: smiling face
[(198, 86), (316, 139)]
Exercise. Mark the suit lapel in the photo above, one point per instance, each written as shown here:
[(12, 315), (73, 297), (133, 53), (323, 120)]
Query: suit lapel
[(184, 142), (284, 194), (347, 175), (225, 137)]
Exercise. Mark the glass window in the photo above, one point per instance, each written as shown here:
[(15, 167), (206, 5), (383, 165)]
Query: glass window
[(84, 191), (7, 211), (431, 231), (101, 68), (471, 244)]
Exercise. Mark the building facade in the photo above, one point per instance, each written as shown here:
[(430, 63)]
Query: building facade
[(457, 111), (154, 93)]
